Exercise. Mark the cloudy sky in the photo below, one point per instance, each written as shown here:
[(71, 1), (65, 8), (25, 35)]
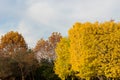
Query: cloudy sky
[(36, 19)]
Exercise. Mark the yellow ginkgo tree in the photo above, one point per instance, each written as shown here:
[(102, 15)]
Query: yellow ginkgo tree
[(62, 64), (95, 49)]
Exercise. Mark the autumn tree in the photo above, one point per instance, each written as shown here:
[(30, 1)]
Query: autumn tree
[(12, 42), (5, 67), (45, 54), (62, 63), (45, 49), (40, 49), (26, 64), (94, 49), (53, 40)]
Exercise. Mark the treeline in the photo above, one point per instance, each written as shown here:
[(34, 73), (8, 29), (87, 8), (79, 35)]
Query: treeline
[(18, 62), (90, 52)]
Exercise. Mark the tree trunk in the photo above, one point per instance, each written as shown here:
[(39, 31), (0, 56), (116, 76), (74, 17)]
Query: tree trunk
[(13, 78), (32, 76), (23, 78)]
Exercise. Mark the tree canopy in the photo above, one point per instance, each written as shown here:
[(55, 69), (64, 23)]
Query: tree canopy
[(12, 42), (45, 49), (94, 49), (91, 51), (62, 64)]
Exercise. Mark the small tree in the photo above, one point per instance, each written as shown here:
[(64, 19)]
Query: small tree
[(45, 49)]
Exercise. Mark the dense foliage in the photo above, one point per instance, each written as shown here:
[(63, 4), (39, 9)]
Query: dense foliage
[(90, 52), (62, 64), (94, 51), (17, 62), (12, 42)]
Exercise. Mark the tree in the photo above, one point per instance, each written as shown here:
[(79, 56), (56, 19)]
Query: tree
[(94, 49), (62, 63), (46, 71), (41, 49), (53, 40), (5, 67), (12, 42), (19, 66), (26, 64), (45, 49)]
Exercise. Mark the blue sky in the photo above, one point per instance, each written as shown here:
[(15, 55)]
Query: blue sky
[(36, 19)]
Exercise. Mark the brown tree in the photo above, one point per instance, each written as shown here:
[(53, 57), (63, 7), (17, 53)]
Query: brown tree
[(5, 69), (26, 64), (12, 42), (53, 40), (45, 49)]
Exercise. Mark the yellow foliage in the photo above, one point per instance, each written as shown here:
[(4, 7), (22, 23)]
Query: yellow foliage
[(95, 49), (12, 42), (62, 65)]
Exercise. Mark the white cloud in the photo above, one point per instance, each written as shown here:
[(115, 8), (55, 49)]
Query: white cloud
[(27, 33), (41, 12), (1, 32), (39, 18), (31, 33)]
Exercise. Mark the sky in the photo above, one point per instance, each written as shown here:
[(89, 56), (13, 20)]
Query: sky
[(36, 19)]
